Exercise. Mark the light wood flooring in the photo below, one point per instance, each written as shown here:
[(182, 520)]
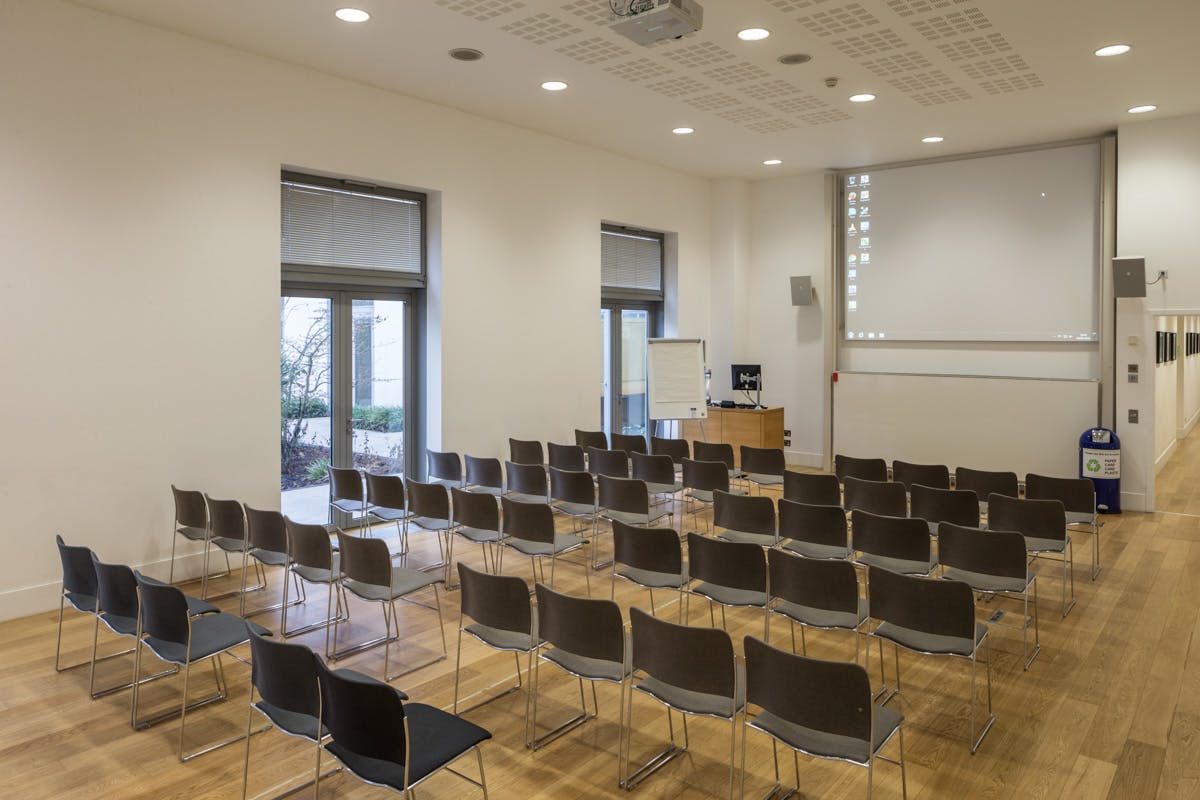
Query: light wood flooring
[(1111, 707)]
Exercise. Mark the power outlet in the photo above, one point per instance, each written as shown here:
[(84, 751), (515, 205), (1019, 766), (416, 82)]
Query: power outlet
[(787, 442), (1133, 415), (787, 432)]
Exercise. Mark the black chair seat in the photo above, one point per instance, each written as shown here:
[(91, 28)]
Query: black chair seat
[(1035, 545), (317, 574), (191, 532), (697, 702), (122, 626), (654, 580), (270, 557), (574, 509), (499, 638), (630, 518), (442, 738), (305, 725), (430, 523), (478, 535), (760, 539), (826, 552), (195, 605), (822, 617), (211, 634), (389, 514), (931, 642), (901, 566), (404, 581), (230, 545), (728, 596), (349, 506), (983, 582), (562, 543), (830, 745), (82, 602), (764, 480), (591, 668)]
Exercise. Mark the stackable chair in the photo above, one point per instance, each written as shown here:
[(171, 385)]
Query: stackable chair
[(935, 476), (1043, 523), (585, 638), (568, 457), (586, 439), (525, 451), (370, 576), (167, 630), (820, 708), (717, 451), (268, 547), (898, 544), (227, 532), (314, 561), (745, 519), (387, 501), (992, 562), (613, 463), (573, 494), (529, 529), (701, 479), (484, 475), (649, 557), (878, 497), (689, 670), (476, 518), (934, 617), (764, 466), (626, 500), (444, 468), (677, 449), (865, 469), (384, 741), (813, 488), (78, 589), (814, 531), (935, 506), (730, 574), (346, 495), (191, 520), (984, 483), (287, 682), (496, 611), (629, 443), (429, 504), (815, 593), (1078, 496), (659, 474), (527, 483), (117, 608)]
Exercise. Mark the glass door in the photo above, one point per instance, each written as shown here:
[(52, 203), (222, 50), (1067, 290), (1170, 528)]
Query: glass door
[(626, 328), (344, 390)]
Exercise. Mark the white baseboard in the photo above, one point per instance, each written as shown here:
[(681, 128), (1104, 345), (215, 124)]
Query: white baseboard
[(804, 458), (1164, 456), (1187, 426), (1135, 501), (41, 597)]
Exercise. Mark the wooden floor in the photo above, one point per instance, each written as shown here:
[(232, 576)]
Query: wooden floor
[(1111, 707)]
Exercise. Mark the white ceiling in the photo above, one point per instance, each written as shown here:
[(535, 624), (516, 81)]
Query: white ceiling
[(982, 73)]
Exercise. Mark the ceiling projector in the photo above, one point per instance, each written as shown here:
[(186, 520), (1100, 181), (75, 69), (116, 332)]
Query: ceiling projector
[(649, 21)]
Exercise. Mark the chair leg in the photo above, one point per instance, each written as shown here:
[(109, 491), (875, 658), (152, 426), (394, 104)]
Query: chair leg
[(1095, 549), (174, 541), (976, 741)]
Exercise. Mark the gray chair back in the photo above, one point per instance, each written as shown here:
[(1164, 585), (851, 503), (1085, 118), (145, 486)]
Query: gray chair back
[(582, 626), (475, 510), (365, 560), (815, 583), (613, 463), (1037, 519), (696, 659), (345, 483), (985, 482), (936, 476), (886, 497), (677, 449), (714, 451), (190, 510), (386, 491), (763, 460), (586, 439), (444, 466), (734, 565), (533, 522), (285, 675), (629, 443), (928, 605), (707, 476), (309, 545), (525, 451), (116, 589), (999, 553), (265, 530), (739, 512), (945, 505), (429, 500), (567, 456), (624, 494), (164, 611), (891, 537), (813, 488), (226, 519), (866, 469), (484, 472), (572, 486), (79, 572), (526, 478), (650, 549), (654, 469), (497, 601), (1078, 495), (804, 522)]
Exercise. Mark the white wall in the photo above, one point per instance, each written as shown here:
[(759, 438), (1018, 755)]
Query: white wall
[(1158, 202), (1166, 401), (140, 258)]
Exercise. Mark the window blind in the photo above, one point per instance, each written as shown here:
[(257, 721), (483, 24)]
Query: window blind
[(631, 261), (344, 227)]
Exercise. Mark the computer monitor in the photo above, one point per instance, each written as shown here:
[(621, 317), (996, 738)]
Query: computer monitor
[(747, 377)]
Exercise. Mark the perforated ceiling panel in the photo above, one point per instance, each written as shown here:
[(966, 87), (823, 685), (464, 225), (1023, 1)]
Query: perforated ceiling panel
[(594, 50), (916, 81), (907, 61), (957, 23), (771, 125), (788, 6), (995, 67), (869, 43), (588, 11), (738, 72), (836, 21), (743, 114), (825, 117), (701, 54), (482, 10), (1016, 83), (907, 8), (541, 28), (715, 101), (800, 104), (640, 69), (677, 86), (975, 47), (768, 90), (937, 97)]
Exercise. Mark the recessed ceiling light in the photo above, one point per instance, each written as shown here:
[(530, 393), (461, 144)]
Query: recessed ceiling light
[(933, 139), (1113, 50), (554, 86), (772, 162), (866, 97), (683, 131), (352, 15), (1142, 109), (753, 34), (466, 54), (790, 59)]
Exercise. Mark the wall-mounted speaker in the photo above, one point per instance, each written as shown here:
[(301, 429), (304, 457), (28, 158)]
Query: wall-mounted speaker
[(1129, 277), (802, 290)]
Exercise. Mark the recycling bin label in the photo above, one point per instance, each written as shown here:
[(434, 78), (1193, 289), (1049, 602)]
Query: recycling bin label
[(1105, 464)]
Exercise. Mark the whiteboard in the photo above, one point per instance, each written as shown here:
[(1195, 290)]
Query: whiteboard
[(994, 248), (1010, 424), (675, 372)]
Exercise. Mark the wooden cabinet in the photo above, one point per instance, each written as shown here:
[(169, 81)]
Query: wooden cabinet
[(755, 427)]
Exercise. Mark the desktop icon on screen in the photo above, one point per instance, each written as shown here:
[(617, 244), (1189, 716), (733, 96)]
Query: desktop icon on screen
[(852, 212), (851, 289), (852, 258), (851, 274), (851, 305), (864, 180), (864, 226), (882, 335), (851, 180), (852, 197), (870, 334), (865, 211), (866, 258), (865, 241), (866, 194), (852, 230)]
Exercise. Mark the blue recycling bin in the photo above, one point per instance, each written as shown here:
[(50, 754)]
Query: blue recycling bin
[(1100, 460)]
